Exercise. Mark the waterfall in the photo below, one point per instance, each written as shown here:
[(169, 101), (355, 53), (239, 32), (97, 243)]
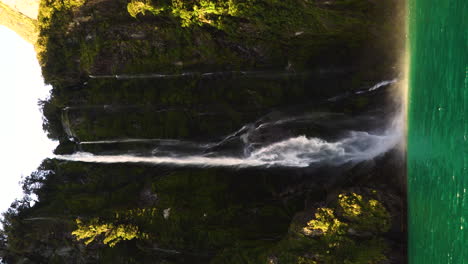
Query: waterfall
[(256, 74), (301, 151), (297, 151)]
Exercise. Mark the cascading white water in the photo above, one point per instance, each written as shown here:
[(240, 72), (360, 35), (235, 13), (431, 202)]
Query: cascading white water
[(373, 88), (358, 146), (377, 86), (257, 74), (199, 161), (300, 151), (135, 140)]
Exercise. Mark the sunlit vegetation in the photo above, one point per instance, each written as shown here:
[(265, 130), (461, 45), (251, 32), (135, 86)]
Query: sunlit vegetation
[(141, 7), (326, 224), (349, 232), (364, 215), (54, 24), (212, 215), (112, 234), (221, 14), (369, 213), (170, 35), (123, 214)]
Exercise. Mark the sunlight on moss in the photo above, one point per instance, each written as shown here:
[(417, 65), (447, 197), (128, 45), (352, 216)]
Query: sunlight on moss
[(46, 11), (351, 204), (368, 214), (325, 222), (112, 234), (191, 13), (136, 7), (264, 14), (349, 231)]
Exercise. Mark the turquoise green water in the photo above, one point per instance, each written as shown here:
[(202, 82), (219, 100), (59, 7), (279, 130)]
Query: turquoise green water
[(437, 132)]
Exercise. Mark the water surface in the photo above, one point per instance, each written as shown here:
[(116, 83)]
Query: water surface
[(438, 132)]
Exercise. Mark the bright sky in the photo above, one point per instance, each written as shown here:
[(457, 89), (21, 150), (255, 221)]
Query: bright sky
[(23, 144)]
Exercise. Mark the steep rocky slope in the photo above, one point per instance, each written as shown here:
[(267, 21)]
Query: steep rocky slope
[(20, 18), (29, 8)]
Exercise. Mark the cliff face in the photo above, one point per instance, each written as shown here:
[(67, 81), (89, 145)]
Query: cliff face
[(80, 38), (22, 23), (24, 26), (29, 8)]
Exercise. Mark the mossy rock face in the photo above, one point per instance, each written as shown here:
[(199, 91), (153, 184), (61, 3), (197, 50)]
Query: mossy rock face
[(78, 38)]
